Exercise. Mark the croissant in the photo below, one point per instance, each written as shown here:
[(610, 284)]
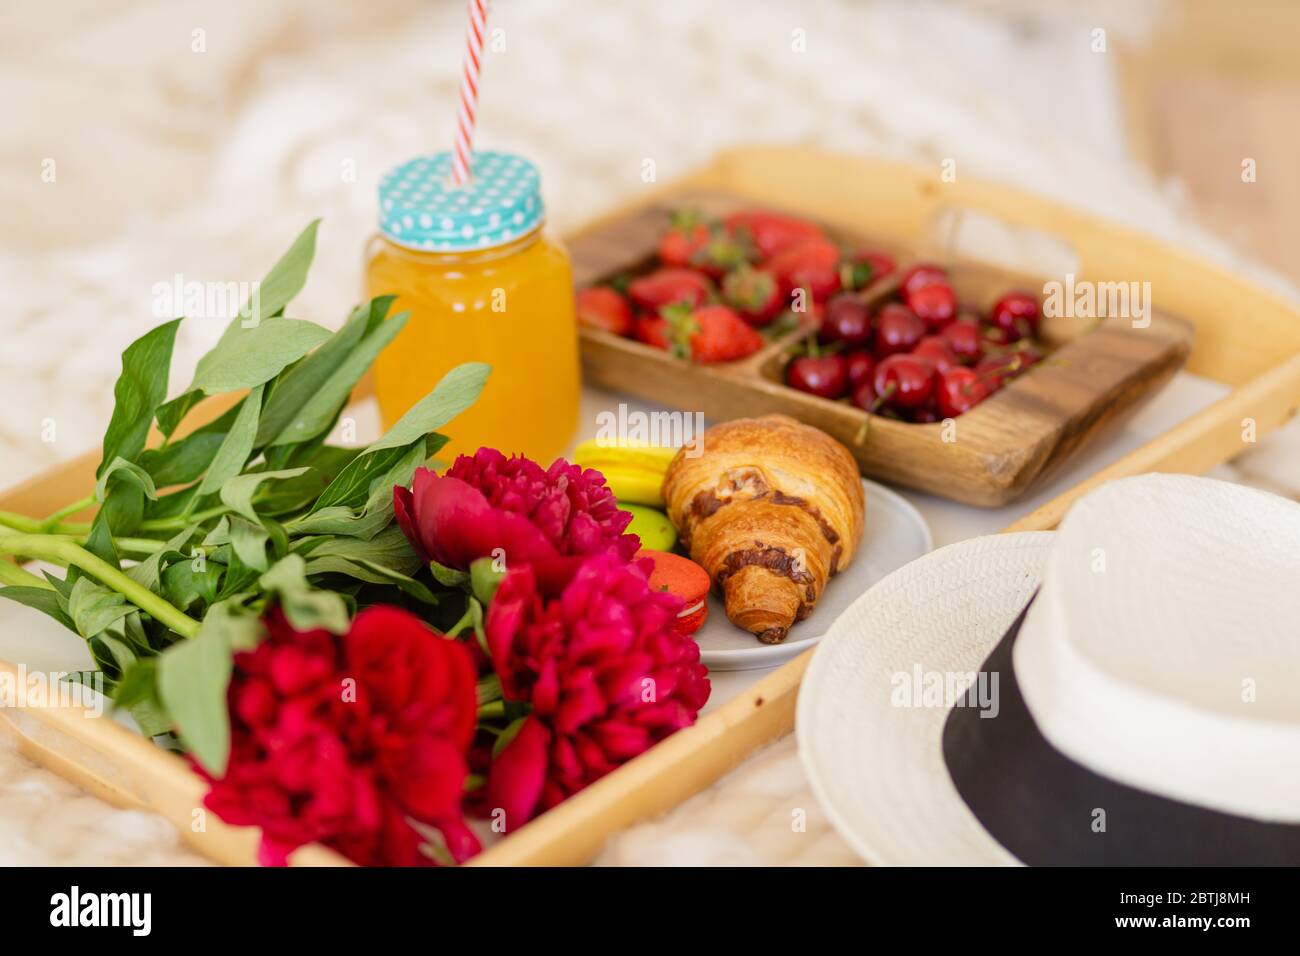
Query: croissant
[(771, 508)]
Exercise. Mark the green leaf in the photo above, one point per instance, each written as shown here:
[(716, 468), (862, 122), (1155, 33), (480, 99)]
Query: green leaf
[(122, 490), (139, 390), (184, 461), (369, 489), (246, 357), (112, 653), (249, 540), (285, 280), (507, 736), (150, 717), (320, 466), (304, 607), (193, 677), (237, 446), (319, 412), (129, 472), (100, 543), (288, 276), (148, 572), (359, 501), (41, 599), (455, 392), (323, 379), (449, 577), (137, 683), (389, 548), (237, 493), (170, 414), (355, 485), (94, 607)]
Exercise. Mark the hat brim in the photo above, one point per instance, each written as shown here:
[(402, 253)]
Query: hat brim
[(876, 768)]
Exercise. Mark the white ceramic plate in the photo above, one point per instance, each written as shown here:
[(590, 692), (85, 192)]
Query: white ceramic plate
[(895, 534)]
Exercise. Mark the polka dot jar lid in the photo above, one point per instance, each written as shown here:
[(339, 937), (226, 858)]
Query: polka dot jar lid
[(419, 207)]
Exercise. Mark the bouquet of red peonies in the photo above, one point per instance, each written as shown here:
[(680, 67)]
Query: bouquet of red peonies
[(350, 647)]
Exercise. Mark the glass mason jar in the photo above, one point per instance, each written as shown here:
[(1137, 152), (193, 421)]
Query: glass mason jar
[(483, 283)]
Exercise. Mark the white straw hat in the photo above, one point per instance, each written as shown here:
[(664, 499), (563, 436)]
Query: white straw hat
[(1143, 710)]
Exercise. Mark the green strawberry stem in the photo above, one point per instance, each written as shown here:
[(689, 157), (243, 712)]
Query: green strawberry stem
[(64, 551)]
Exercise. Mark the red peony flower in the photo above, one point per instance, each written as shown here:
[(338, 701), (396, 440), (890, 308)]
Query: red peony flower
[(603, 670), (344, 740), (489, 501)]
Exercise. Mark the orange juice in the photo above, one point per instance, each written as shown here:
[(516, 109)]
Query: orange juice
[(482, 283)]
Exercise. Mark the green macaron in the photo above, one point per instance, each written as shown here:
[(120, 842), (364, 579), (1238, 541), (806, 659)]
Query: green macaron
[(652, 526)]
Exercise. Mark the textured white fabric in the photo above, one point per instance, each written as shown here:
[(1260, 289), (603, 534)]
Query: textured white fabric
[(169, 160), (46, 820)]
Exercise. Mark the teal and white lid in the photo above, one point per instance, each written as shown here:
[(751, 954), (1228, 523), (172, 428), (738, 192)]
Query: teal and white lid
[(419, 207)]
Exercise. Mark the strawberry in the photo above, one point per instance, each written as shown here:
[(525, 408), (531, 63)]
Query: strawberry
[(865, 267), (813, 264), (770, 232), (651, 329), (670, 287), (755, 293), (694, 243), (712, 333), (603, 308), (687, 236)]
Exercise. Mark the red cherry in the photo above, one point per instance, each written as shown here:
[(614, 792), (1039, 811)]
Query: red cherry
[(960, 390), (934, 304), (920, 276), (847, 320), (861, 368), (993, 371), (864, 395), (904, 381), (964, 339), (995, 337), (823, 375), (997, 370), (1028, 355), (1016, 313), (897, 330), (936, 350), (927, 414)]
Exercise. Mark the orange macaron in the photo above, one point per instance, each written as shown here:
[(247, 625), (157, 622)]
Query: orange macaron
[(685, 579)]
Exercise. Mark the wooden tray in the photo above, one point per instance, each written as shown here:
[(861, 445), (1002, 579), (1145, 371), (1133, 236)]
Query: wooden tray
[(1245, 337), (997, 451)]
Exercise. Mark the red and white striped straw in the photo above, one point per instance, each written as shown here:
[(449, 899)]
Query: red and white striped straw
[(468, 113)]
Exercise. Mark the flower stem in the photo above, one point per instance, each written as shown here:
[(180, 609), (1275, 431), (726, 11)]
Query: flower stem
[(66, 551), (53, 520), (488, 689), (17, 522)]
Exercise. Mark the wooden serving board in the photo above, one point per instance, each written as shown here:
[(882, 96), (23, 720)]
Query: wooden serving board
[(990, 456)]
